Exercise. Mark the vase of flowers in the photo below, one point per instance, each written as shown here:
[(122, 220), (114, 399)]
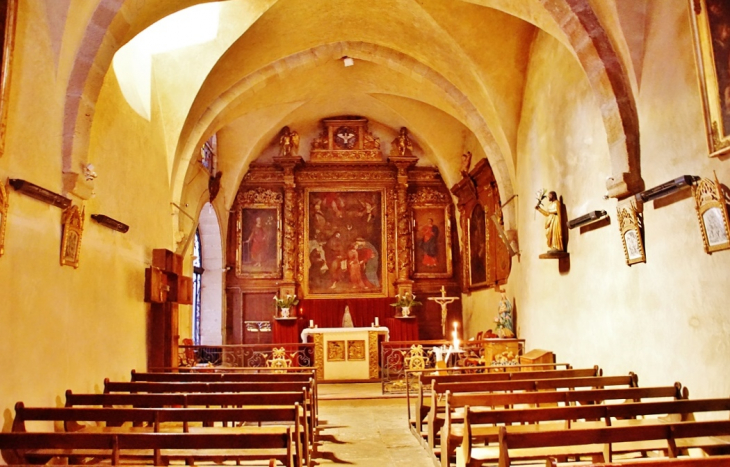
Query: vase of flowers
[(405, 302), (285, 304)]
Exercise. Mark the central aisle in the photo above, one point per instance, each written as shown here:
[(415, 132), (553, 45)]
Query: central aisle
[(367, 432)]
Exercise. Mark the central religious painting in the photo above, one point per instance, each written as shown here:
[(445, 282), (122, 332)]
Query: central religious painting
[(344, 236)]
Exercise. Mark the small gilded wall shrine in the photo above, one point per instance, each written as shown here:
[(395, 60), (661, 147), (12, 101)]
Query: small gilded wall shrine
[(348, 224)]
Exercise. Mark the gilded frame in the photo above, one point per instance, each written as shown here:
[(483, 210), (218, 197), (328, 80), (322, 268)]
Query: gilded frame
[(321, 225), (632, 237), (7, 58), (73, 229), (429, 205), (258, 221), (477, 241), (707, 18), (712, 215), (4, 206)]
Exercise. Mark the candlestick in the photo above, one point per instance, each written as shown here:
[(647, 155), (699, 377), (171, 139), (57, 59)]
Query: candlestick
[(377, 323), (311, 323)]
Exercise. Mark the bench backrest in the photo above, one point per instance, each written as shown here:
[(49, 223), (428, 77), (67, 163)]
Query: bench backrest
[(214, 377), (112, 445), (586, 396), (539, 384), (608, 436), (187, 399), (173, 387), (152, 416)]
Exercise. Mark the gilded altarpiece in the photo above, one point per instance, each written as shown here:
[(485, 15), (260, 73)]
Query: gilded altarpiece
[(258, 233), (487, 261)]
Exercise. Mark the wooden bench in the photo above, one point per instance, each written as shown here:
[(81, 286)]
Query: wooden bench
[(262, 375), (452, 430), (266, 443), (153, 400), (435, 409), (209, 387), (170, 419), (594, 439), (418, 374), (423, 408), (713, 461)]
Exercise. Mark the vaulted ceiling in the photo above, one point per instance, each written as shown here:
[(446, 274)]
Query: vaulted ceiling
[(452, 71)]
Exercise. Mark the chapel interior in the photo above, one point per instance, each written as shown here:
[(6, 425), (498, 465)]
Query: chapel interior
[(358, 133)]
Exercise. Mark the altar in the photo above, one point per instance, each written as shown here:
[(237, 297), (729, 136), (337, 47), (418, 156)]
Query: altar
[(346, 353)]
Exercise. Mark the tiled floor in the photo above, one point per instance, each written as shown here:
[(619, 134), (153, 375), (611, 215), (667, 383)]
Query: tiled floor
[(366, 432)]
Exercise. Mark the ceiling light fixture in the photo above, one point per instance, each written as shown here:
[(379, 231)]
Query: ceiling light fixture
[(348, 61)]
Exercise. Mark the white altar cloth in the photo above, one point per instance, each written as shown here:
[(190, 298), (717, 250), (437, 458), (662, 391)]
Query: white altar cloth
[(379, 329)]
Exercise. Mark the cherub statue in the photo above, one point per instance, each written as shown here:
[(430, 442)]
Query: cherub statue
[(288, 142), (553, 221), (402, 145)]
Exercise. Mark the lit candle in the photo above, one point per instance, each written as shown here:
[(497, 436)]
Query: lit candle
[(377, 323)]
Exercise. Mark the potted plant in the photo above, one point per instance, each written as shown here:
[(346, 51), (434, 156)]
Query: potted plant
[(285, 304), (405, 302)]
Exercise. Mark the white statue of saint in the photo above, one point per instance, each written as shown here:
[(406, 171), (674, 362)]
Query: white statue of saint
[(347, 318)]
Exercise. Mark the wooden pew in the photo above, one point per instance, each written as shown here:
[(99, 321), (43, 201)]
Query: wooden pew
[(423, 408), (427, 372), (569, 437), (452, 430), (713, 461), (263, 375), (433, 411), (205, 387), (159, 448), (152, 400)]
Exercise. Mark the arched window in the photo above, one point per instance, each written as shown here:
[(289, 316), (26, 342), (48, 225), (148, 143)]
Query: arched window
[(197, 282)]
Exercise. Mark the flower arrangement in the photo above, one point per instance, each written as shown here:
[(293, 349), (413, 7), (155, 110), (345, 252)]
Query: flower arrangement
[(288, 302), (407, 299), (541, 195)]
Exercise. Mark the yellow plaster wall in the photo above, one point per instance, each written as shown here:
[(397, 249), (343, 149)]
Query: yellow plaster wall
[(666, 320), (66, 328)]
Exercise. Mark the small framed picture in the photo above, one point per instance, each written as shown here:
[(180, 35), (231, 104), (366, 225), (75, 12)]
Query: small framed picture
[(629, 221), (259, 234), (477, 242), (73, 228), (710, 20), (712, 215), (431, 236)]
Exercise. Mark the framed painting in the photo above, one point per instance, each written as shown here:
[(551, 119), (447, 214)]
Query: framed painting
[(710, 21), (712, 215), (259, 242), (477, 227), (73, 227), (629, 222), (3, 216), (431, 242), (344, 235)]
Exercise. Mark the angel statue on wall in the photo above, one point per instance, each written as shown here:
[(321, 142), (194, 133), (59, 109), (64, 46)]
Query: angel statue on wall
[(288, 142), (402, 145), (553, 221)]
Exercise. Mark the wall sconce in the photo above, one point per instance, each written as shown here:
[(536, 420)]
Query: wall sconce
[(113, 224), (348, 61), (591, 217), (40, 193), (668, 188)]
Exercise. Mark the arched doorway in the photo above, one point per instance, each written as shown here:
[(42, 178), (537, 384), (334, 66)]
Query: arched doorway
[(207, 329)]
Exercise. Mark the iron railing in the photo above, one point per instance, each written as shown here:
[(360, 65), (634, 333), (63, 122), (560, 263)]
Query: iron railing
[(244, 355)]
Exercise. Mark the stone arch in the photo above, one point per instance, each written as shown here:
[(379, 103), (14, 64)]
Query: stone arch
[(212, 280), (611, 86)]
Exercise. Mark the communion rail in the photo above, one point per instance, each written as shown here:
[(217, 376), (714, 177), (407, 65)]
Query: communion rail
[(245, 355)]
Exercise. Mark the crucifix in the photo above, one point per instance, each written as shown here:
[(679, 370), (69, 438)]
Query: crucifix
[(443, 300)]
